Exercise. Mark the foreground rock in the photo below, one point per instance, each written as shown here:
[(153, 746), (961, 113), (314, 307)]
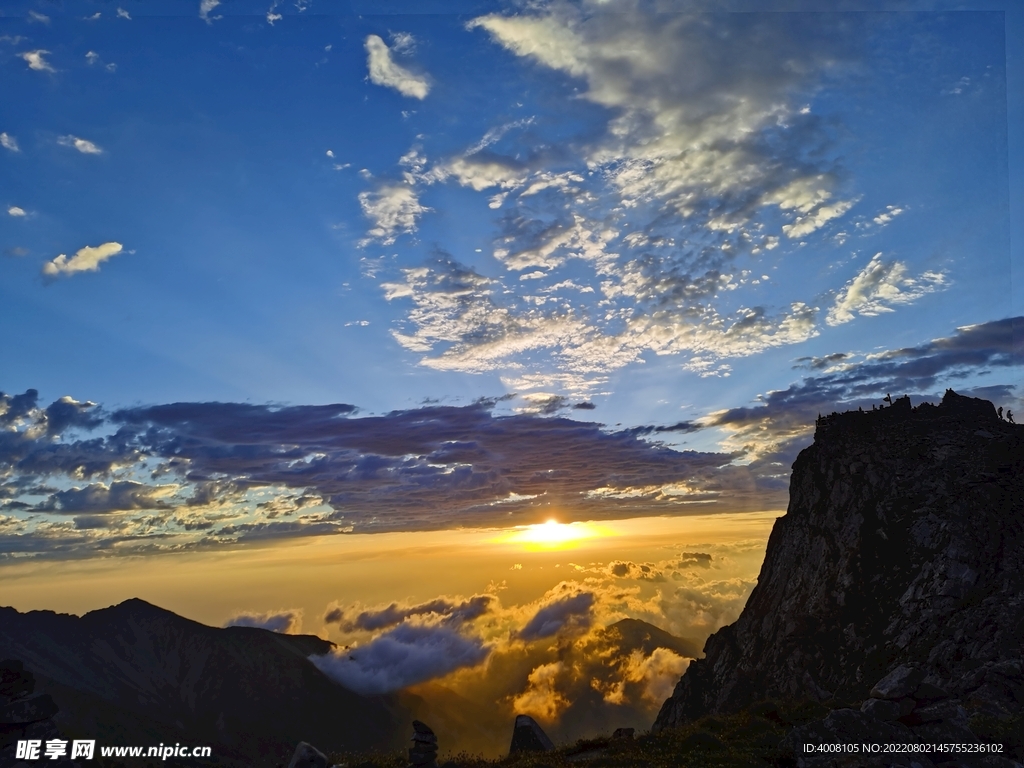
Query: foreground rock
[(527, 736), (423, 753), (22, 714), (895, 579), (308, 756)]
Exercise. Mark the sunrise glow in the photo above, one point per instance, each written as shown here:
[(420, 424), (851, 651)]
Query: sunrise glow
[(553, 535)]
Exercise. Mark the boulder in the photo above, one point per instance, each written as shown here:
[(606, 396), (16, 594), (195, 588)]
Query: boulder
[(623, 733), (423, 753), (527, 736), (898, 684), (24, 711), (308, 756), (881, 709)]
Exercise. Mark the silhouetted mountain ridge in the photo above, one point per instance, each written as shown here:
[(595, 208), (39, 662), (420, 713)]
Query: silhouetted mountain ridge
[(134, 673)]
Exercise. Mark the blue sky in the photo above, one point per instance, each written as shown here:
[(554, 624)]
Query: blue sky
[(596, 258)]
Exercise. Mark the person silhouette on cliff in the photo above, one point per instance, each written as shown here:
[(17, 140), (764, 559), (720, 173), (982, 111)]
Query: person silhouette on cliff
[(1009, 417), (888, 398)]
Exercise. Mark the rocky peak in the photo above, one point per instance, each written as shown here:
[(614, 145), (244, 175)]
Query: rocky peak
[(903, 544)]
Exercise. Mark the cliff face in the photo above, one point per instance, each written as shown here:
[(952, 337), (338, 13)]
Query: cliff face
[(903, 544)]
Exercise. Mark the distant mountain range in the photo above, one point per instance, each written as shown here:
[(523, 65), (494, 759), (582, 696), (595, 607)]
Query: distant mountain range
[(135, 674)]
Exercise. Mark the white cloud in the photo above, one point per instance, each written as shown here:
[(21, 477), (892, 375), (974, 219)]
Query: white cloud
[(384, 71), (394, 209), (123, 14), (93, 58), (37, 62), (879, 286), (890, 213), (205, 7), (483, 173), (84, 146), (16, 211), (703, 159), (692, 97), (39, 17), (816, 219), (9, 142), (87, 259)]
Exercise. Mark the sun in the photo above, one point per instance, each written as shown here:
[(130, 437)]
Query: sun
[(551, 535)]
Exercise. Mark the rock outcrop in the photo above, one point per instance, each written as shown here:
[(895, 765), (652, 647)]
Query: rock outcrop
[(307, 756), (22, 714), (527, 736), (895, 581)]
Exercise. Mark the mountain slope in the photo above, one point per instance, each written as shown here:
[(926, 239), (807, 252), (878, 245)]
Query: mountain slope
[(138, 674)]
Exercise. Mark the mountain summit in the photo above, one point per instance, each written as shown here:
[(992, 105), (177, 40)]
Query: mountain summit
[(902, 551)]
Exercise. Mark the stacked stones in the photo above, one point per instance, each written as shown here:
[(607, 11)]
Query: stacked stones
[(22, 716), (423, 753)]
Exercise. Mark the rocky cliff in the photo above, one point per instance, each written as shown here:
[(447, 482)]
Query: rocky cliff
[(902, 551)]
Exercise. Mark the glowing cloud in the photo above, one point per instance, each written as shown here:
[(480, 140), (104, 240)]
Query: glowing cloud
[(87, 259)]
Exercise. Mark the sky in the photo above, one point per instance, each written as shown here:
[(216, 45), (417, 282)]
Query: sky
[(278, 274)]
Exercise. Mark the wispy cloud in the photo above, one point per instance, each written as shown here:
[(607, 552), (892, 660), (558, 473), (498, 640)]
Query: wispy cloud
[(8, 142), (393, 209), (93, 58), (84, 146), (880, 286), (384, 71), (87, 259), (123, 14), (702, 158), (206, 7), (35, 60)]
